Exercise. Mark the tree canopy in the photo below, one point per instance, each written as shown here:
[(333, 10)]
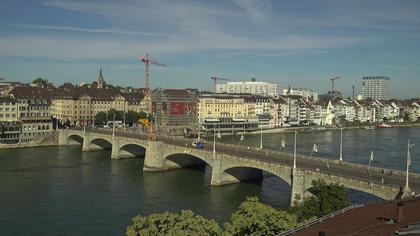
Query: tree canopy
[(183, 223), (327, 198), (256, 218)]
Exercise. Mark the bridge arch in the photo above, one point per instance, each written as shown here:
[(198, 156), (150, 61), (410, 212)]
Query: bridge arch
[(363, 186), (100, 143), (75, 139), (185, 159), (132, 150)]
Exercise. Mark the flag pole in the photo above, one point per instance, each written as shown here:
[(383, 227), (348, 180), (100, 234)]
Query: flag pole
[(408, 164)]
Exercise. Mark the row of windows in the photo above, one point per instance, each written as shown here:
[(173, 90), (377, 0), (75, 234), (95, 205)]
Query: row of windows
[(7, 109), (7, 115), (36, 127)]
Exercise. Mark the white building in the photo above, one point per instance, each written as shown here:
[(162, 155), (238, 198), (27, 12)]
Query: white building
[(376, 87), (252, 87), (308, 94)]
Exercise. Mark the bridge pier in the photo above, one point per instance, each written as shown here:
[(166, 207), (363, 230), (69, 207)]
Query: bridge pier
[(299, 187), (154, 159)]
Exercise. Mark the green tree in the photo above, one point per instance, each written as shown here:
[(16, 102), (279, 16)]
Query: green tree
[(100, 117), (255, 218), (183, 223), (44, 83), (327, 198)]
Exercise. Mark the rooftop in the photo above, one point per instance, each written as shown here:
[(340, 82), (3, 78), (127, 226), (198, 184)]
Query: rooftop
[(373, 219)]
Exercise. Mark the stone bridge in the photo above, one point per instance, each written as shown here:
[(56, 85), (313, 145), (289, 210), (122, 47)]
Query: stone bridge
[(231, 164)]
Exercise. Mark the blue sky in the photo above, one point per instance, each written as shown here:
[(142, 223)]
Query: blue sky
[(301, 43)]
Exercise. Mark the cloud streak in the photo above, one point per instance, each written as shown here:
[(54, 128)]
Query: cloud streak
[(75, 29)]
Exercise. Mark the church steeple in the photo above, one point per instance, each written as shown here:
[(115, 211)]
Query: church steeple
[(100, 80)]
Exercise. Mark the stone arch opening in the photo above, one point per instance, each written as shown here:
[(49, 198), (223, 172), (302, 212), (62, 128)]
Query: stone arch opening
[(101, 144), (75, 139), (246, 173), (185, 160), (132, 150)]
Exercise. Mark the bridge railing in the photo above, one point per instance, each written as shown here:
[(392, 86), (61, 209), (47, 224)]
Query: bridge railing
[(319, 220), (268, 152)]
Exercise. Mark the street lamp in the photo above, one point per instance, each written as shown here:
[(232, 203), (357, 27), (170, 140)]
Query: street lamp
[(113, 126), (341, 144), (214, 137), (261, 138), (294, 152), (408, 163)]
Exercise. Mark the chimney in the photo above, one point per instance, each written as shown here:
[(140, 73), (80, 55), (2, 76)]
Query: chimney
[(400, 211)]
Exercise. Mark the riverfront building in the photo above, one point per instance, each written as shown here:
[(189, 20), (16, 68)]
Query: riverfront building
[(251, 87), (175, 110), (33, 110), (229, 112), (375, 87)]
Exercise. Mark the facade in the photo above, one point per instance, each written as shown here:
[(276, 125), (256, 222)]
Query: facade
[(10, 126), (33, 111), (308, 94), (230, 112), (251, 87), (375, 87), (175, 110)]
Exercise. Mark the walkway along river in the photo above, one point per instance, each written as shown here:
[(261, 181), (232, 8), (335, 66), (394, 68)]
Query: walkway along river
[(59, 191)]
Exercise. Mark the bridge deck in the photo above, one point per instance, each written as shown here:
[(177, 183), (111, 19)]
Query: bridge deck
[(345, 169)]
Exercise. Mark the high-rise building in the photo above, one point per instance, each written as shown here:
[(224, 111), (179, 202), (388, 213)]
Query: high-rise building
[(376, 87), (252, 87)]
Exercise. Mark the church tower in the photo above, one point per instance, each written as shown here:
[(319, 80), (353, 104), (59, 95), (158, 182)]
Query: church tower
[(100, 80)]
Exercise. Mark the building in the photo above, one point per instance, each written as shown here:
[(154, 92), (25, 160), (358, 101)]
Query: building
[(227, 112), (375, 87), (101, 80), (308, 94), (251, 87), (33, 111), (175, 110), (10, 126)]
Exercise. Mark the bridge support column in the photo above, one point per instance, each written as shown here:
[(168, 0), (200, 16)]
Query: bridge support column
[(87, 146), (62, 138), (115, 152), (218, 178), (299, 187), (154, 159)]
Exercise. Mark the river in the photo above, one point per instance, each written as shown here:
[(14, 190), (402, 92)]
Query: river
[(64, 191)]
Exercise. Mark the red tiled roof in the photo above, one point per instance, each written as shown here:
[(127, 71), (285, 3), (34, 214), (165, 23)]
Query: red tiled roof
[(373, 219)]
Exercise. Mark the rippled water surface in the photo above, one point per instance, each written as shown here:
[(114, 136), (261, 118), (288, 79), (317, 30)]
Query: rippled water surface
[(62, 191)]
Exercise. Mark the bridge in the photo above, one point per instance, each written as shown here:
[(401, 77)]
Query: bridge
[(233, 163)]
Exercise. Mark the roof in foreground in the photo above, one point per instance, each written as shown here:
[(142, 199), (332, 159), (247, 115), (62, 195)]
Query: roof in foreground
[(373, 219)]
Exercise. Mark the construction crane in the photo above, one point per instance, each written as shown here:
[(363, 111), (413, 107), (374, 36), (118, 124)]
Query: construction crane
[(215, 81), (148, 60), (332, 83)]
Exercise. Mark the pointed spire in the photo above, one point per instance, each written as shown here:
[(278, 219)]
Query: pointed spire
[(101, 81)]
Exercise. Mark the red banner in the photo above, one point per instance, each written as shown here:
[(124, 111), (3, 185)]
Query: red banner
[(177, 108)]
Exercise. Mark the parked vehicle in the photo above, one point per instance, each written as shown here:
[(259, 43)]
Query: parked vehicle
[(197, 144)]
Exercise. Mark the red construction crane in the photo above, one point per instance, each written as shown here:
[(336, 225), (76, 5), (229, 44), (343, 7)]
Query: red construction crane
[(332, 83), (148, 60), (215, 81)]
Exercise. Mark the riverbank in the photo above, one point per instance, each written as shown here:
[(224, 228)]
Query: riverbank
[(321, 128), (46, 141)]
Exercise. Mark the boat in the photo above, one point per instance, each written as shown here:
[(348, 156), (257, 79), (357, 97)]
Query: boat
[(384, 125), (369, 127)]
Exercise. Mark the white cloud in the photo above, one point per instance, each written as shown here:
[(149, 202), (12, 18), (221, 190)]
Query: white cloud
[(258, 9), (67, 28)]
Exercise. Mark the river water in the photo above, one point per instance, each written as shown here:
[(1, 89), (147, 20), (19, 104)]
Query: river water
[(63, 191)]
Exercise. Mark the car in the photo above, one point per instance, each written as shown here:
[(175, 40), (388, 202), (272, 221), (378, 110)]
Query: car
[(197, 144)]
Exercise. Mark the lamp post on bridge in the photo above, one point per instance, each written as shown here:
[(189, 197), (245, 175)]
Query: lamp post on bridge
[(214, 138), (408, 164), (261, 138), (294, 152), (113, 126), (341, 144)]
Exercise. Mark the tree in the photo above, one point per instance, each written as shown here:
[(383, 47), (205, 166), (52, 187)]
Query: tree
[(255, 218), (40, 82), (100, 117), (183, 223), (327, 198)]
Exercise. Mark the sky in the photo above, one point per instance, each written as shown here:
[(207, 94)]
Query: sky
[(296, 43)]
